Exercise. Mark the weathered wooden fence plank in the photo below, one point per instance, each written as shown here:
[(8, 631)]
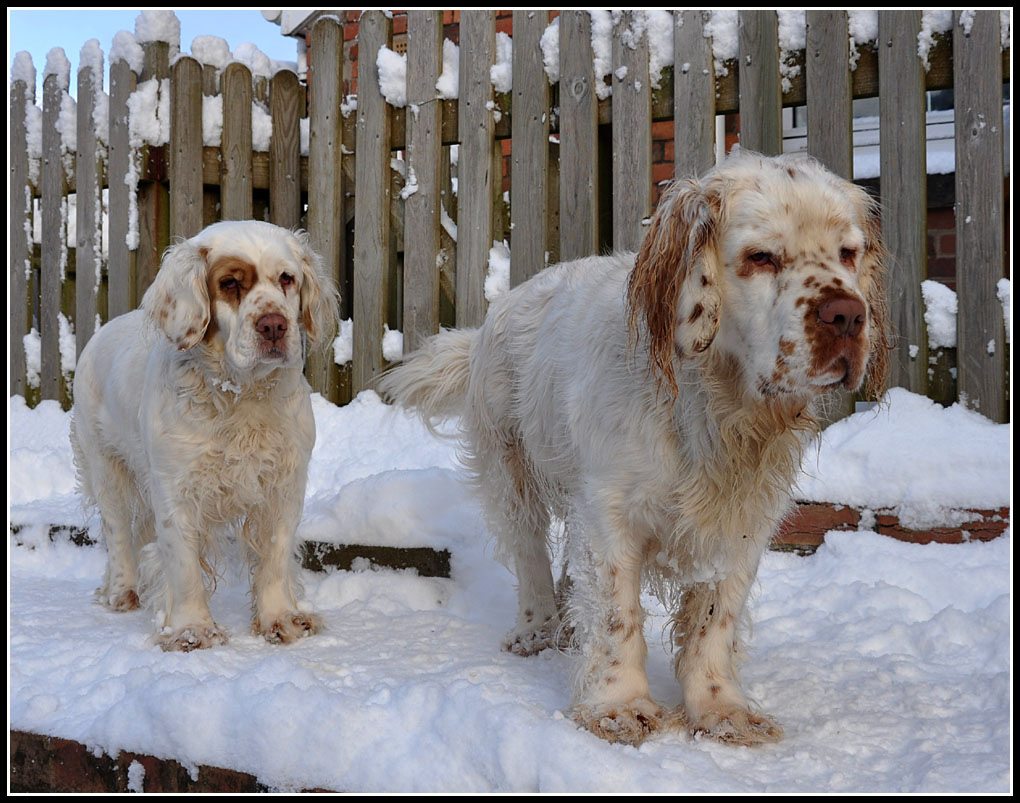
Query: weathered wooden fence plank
[(694, 96), (424, 157), (88, 177), (236, 187), (372, 203), (186, 148), (286, 107), (325, 182), (474, 166), (20, 215), (530, 156), (981, 346), (903, 184), (632, 136), (120, 257), (54, 240), (761, 101), (830, 123)]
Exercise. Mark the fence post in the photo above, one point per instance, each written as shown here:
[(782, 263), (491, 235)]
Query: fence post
[(88, 182), (529, 173), (904, 191), (286, 107), (981, 343), (474, 165), (424, 155), (372, 202), (761, 100), (694, 96), (54, 239), (632, 136), (186, 148), (19, 213), (236, 168), (121, 273), (325, 181)]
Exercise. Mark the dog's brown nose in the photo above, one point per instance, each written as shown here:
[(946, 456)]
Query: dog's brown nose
[(272, 327), (845, 316)]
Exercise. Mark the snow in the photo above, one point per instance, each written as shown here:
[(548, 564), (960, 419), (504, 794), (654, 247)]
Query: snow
[(721, 28), (149, 113), (101, 118), (1002, 292), (448, 85), (261, 127), (966, 21), (940, 306), (932, 23), (392, 344), (343, 343), (660, 44), (602, 51), (911, 455), (33, 357), (392, 68), (135, 777), (550, 45), (501, 73), (126, 48), (22, 69), (254, 59), (497, 277), (792, 39), (211, 50), (58, 65), (159, 26), (91, 58), (67, 125), (448, 223), (410, 185), (212, 120), (68, 345), (887, 663)]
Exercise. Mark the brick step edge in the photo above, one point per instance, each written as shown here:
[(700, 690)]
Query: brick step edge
[(51, 764), (805, 528)]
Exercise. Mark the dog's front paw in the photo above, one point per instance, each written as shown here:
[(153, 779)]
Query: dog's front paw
[(631, 722), (119, 601), (737, 726), (191, 637), (287, 627), (529, 638)]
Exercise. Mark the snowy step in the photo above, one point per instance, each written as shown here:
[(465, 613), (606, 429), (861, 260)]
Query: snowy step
[(316, 556)]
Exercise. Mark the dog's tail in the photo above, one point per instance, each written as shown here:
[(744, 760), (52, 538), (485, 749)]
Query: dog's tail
[(434, 379)]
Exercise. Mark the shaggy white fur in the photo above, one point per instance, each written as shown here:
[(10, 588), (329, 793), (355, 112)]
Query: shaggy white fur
[(192, 419), (658, 403)]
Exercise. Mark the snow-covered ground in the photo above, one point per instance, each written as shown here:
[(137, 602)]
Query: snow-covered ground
[(888, 664)]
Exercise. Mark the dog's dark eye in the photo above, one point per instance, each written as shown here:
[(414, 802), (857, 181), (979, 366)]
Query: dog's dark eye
[(230, 284), (286, 280), (848, 256), (762, 259)]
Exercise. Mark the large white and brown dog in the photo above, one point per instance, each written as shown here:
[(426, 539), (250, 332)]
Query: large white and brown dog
[(192, 419), (659, 404)]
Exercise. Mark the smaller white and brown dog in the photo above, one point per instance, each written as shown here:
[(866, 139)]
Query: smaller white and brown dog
[(192, 419)]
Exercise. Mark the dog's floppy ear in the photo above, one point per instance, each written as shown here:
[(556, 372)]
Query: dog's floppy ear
[(178, 299), (319, 297), (674, 287), (872, 279)]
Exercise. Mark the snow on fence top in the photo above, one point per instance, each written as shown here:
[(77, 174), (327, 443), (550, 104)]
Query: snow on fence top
[(58, 65), (126, 48), (159, 26)]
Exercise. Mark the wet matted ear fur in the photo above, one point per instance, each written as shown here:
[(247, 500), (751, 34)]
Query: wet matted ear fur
[(674, 287), (178, 298)]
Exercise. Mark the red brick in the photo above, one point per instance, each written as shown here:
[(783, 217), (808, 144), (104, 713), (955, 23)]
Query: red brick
[(668, 150), (947, 245), (663, 171), (662, 130)]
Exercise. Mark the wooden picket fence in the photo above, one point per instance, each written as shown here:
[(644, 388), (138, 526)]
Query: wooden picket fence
[(584, 182)]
